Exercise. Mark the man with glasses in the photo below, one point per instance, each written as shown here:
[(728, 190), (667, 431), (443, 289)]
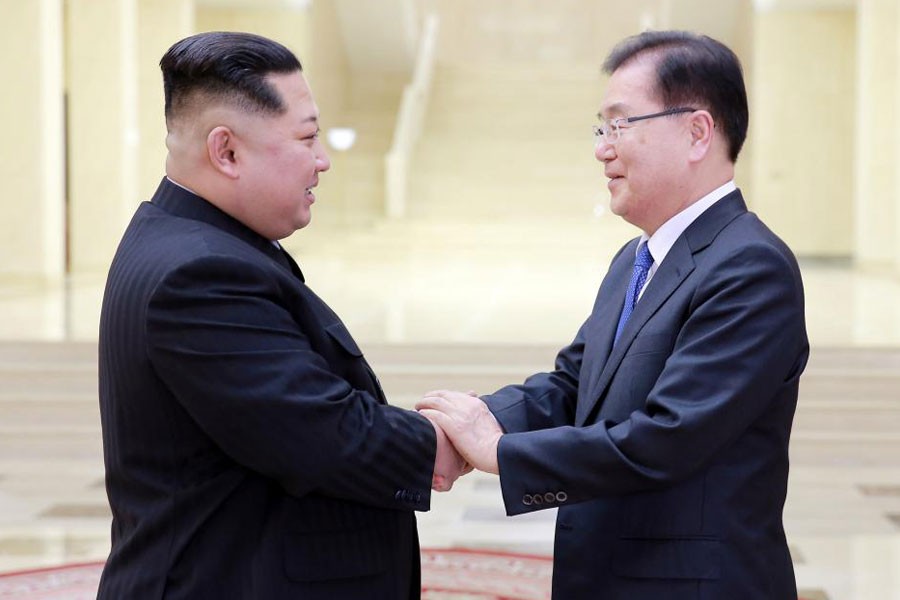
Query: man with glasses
[(662, 433)]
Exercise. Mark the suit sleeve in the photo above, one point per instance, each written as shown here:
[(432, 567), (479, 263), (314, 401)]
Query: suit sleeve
[(231, 353), (544, 400), (742, 341), (548, 400)]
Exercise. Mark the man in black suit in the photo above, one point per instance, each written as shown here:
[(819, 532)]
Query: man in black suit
[(662, 433), (250, 452)]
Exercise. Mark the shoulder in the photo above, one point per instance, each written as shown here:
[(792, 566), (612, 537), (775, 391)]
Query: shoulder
[(160, 253), (748, 263), (747, 241), (166, 240)]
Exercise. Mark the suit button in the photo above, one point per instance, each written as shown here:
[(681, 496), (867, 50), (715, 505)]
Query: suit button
[(561, 496), (538, 499), (418, 497), (398, 496), (549, 497), (527, 499)]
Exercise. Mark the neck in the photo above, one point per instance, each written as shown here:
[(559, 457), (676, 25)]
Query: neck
[(687, 195)]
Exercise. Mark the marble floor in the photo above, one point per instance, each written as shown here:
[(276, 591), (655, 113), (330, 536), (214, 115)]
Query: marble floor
[(474, 306)]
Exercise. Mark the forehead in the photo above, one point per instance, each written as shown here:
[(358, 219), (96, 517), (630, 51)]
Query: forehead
[(296, 95), (631, 87)]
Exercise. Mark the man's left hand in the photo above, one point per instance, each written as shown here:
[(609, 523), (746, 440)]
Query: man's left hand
[(468, 423)]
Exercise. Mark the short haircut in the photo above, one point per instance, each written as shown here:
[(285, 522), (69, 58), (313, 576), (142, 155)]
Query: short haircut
[(229, 67), (693, 70)]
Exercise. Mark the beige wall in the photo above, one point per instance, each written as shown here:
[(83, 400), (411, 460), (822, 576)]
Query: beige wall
[(313, 34), (290, 27), (116, 143), (32, 210), (820, 164), (325, 61), (101, 60), (160, 24), (876, 128), (743, 44), (802, 128)]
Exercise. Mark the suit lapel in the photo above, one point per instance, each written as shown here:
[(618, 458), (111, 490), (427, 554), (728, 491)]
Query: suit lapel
[(675, 268), (678, 264), (602, 327), (292, 264)]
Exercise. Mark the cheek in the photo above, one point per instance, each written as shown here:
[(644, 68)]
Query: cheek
[(297, 168)]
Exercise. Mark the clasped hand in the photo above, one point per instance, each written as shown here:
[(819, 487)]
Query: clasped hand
[(467, 433)]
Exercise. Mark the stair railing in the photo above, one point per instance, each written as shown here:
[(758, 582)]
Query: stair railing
[(410, 120)]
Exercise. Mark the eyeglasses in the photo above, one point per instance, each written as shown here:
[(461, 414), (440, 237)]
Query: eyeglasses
[(610, 129)]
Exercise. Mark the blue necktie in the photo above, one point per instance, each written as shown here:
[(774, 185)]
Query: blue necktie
[(642, 263)]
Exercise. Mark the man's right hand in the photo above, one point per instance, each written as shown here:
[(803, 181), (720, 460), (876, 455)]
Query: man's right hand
[(449, 465)]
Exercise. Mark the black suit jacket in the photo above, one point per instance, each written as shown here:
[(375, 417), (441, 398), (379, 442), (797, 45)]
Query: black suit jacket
[(249, 450), (667, 453)]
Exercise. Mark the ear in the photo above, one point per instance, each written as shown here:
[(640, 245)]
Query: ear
[(702, 128), (220, 148)]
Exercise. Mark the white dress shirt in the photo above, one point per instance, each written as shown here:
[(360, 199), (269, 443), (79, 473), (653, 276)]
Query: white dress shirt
[(662, 241)]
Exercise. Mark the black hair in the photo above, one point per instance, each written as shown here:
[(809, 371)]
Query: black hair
[(226, 66), (693, 70)]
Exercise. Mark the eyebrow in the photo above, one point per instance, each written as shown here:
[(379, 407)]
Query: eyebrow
[(618, 107)]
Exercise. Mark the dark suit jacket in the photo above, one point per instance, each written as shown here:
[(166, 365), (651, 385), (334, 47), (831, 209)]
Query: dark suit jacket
[(667, 454), (249, 450)]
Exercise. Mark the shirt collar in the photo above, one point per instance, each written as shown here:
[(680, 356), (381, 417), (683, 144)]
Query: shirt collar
[(662, 241)]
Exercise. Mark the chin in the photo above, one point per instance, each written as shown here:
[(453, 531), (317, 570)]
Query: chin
[(301, 218), (616, 208)]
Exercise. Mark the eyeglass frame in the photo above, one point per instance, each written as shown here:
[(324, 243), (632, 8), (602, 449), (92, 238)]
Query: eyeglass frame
[(614, 123)]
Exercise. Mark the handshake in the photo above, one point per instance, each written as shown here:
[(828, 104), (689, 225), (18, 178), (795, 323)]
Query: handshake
[(467, 435)]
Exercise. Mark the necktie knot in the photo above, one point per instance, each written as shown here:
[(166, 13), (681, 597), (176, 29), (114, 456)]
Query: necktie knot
[(643, 259)]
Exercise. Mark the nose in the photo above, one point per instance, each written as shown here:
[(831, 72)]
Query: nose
[(323, 163), (604, 151)]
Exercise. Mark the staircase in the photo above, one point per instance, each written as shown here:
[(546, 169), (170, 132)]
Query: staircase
[(53, 505), (509, 143)]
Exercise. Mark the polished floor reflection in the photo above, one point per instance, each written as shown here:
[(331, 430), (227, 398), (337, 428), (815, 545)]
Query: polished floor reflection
[(473, 306)]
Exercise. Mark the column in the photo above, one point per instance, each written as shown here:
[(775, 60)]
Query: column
[(802, 127), (876, 127), (32, 214), (896, 166), (103, 128), (161, 23)]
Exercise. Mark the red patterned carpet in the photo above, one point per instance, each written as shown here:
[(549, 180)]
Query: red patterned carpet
[(446, 575)]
